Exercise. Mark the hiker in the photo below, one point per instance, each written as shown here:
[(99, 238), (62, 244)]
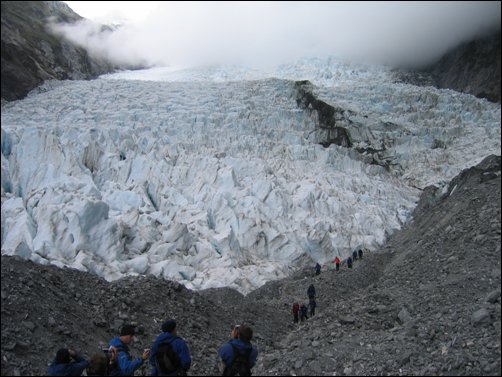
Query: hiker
[(317, 268), (349, 262), (360, 253), (67, 363), (125, 366), (101, 363), (354, 255), (312, 305), (295, 310), (238, 354), (303, 312), (337, 263), (311, 291), (170, 355)]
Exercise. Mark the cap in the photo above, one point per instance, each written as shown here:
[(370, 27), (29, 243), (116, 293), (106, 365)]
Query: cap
[(128, 330), (169, 325)]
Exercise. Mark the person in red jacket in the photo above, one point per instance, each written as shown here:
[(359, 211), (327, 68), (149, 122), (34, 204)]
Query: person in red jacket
[(295, 310), (337, 263)]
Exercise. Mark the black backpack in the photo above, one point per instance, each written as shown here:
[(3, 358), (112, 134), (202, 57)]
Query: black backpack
[(240, 364), (166, 359)]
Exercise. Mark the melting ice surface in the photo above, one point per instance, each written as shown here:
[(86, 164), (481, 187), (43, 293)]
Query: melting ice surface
[(214, 177)]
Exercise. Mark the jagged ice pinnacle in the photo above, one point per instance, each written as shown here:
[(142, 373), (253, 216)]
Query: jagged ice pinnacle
[(190, 176)]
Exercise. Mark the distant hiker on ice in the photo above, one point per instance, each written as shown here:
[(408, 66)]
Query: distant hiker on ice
[(311, 291), (354, 255), (349, 262), (170, 355), (360, 253), (238, 354), (317, 268), (303, 312), (337, 263), (295, 310), (67, 363)]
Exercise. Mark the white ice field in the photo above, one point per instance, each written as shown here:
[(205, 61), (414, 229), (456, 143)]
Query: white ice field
[(214, 177)]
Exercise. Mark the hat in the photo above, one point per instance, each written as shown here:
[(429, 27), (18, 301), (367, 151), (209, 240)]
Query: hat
[(169, 325), (62, 356), (128, 330)]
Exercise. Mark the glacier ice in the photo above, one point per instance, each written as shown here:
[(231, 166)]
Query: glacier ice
[(213, 177)]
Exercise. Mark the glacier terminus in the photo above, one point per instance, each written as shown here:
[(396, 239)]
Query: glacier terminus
[(214, 176)]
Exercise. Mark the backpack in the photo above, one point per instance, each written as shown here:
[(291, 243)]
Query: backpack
[(296, 307), (166, 360), (240, 364)]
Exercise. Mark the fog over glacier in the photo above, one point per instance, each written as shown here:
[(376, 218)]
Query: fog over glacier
[(213, 176), (264, 34)]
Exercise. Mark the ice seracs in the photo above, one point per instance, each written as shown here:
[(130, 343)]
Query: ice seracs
[(214, 182)]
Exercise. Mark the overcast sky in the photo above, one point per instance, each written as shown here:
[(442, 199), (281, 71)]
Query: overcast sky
[(268, 33)]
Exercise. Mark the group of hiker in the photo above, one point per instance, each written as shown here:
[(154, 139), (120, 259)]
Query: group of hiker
[(169, 355), (355, 255), (300, 311)]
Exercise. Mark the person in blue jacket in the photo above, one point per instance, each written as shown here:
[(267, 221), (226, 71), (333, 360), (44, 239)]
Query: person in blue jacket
[(240, 342), (67, 363), (125, 365), (179, 347)]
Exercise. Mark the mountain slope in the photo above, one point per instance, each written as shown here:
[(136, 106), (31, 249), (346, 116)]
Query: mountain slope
[(31, 54), (428, 303), (472, 67)]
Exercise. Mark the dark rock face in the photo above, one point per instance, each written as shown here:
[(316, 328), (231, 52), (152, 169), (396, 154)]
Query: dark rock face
[(473, 68), (345, 128), (427, 303), (329, 132), (31, 54)]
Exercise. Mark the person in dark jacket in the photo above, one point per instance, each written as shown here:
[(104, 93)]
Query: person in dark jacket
[(354, 255), (360, 253), (349, 262), (317, 268), (67, 363), (240, 342), (125, 366), (303, 312), (311, 291), (312, 305), (178, 345)]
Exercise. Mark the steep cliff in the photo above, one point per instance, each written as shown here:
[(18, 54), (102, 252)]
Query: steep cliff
[(472, 67), (31, 54)]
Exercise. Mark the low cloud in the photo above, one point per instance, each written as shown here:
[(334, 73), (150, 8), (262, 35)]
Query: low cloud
[(269, 33)]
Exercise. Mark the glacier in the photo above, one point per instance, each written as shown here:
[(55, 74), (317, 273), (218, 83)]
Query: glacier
[(213, 176)]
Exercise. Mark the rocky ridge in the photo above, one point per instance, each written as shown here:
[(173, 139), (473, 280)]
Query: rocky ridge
[(427, 303), (31, 53), (472, 67)]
